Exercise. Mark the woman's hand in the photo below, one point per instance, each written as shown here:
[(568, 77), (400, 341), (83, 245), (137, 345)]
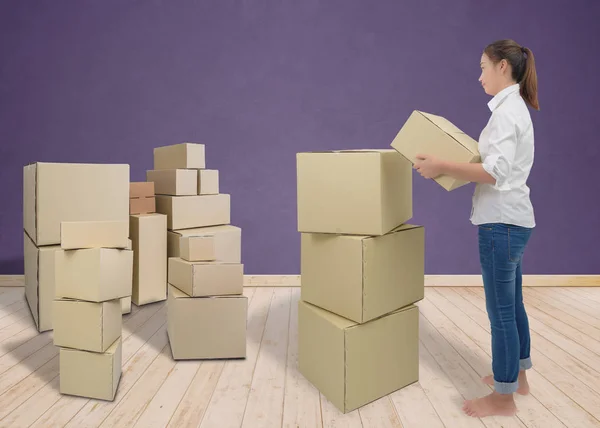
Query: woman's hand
[(428, 166)]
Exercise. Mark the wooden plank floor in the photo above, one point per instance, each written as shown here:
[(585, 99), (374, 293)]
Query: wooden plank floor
[(266, 390)]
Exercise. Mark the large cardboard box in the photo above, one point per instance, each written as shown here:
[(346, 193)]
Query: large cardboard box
[(186, 212), (198, 279), (39, 281), (206, 327), (176, 182), (57, 192), (425, 133), (94, 275), (125, 305), (364, 192), (93, 234), (363, 277), (216, 243), (91, 374), (149, 238), (142, 205), (354, 364), (87, 326), (208, 182), (180, 156)]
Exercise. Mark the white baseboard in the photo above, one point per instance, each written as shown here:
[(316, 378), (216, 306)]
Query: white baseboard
[(430, 280)]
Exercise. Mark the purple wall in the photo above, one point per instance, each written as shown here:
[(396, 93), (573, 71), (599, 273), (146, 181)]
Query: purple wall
[(257, 82)]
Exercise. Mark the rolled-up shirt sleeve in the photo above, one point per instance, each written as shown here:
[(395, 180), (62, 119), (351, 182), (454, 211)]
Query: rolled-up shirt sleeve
[(502, 145)]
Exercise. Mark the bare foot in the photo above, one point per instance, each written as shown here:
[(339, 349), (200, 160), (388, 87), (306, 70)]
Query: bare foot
[(491, 405), (523, 384)]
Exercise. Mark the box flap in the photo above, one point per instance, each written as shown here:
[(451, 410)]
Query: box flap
[(452, 130), (336, 320)]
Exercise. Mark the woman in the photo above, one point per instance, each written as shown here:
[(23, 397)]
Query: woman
[(503, 212)]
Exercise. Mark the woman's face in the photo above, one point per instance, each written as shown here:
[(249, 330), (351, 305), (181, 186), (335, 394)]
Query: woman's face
[(493, 76)]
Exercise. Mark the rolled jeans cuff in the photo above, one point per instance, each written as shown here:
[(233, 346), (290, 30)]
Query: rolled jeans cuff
[(525, 364), (506, 388)]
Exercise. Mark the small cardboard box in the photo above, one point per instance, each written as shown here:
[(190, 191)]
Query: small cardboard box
[(93, 234), (91, 374), (354, 364), (363, 277), (197, 279), (363, 192), (39, 281), (180, 156), (217, 243), (94, 275), (425, 133), (175, 182), (125, 305), (141, 189), (149, 237), (206, 327), (186, 212), (87, 326), (57, 192), (142, 206), (208, 182)]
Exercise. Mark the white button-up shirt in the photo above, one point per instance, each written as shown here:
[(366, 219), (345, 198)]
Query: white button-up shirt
[(506, 148)]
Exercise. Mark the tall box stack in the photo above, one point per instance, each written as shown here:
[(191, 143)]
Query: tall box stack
[(63, 192), (206, 308), (362, 271), (148, 233), (93, 273)]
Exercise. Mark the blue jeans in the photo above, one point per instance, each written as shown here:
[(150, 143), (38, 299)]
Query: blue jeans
[(501, 248)]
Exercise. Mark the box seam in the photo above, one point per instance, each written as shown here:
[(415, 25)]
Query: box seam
[(450, 135)]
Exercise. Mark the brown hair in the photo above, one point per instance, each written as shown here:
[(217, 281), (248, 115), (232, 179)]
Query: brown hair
[(523, 67)]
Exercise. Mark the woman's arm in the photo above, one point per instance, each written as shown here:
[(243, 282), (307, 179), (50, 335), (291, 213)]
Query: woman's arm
[(430, 167)]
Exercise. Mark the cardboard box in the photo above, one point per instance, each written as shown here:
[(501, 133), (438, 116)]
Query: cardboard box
[(57, 192), (175, 182), (125, 305), (87, 326), (363, 192), (187, 212), (94, 275), (425, 133), (91, 374), (206, 327), (363, 277), (141, 189), (142, 206), (216, 243), (354, 364), (208, 182), (180, 156), (93, 234), (129, 245), (149, 237), (39, 281), (198, 279)]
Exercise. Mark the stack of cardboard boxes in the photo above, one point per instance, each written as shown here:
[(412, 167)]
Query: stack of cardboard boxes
[(362, 270), (93, 272), (206, 311)]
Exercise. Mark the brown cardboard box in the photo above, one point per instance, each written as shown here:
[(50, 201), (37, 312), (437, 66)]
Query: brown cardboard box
[(186, 212), (142, 206), (176, 182), (91, 374), (141, 189), (177, 156), (125, 305), (149, 237), (206, 327), (198, 279), (86, 326), (208, 182), (354, 364), (425, 133), (93, 234), (363, 277), (57, 192), (216, 243), (363, 192), (39, 281), (94, 275)]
